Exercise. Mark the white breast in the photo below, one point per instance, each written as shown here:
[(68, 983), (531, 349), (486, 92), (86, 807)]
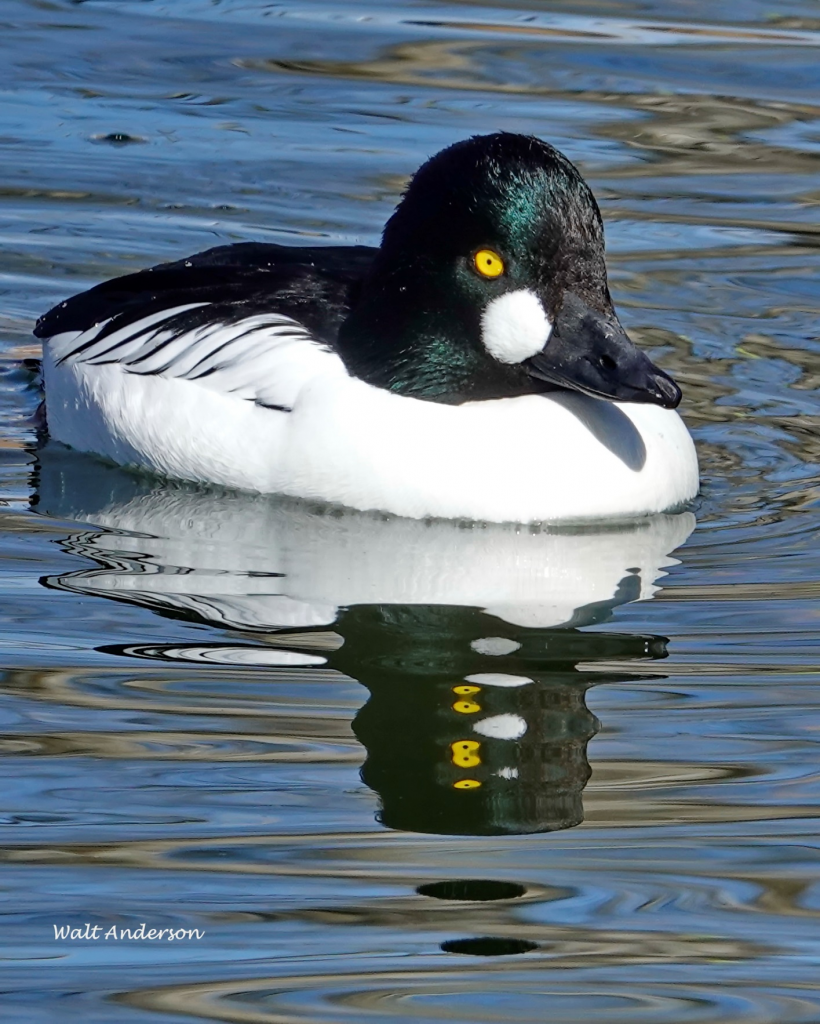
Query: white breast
[(536, 458)]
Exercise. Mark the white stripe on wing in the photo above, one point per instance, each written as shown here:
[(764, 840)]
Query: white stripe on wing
[(264, 358)]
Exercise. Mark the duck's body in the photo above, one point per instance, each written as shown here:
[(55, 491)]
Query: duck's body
[(346, 441), (411, 379)]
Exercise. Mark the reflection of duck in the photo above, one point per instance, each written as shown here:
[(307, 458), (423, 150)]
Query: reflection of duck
[(477, 758), (254, 562), (476, 721), (457, 371), (459, 742)]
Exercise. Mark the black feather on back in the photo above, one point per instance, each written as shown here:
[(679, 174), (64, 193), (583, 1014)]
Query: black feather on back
[(316, 286)]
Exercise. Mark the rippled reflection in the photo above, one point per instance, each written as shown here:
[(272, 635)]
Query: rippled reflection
[(455, 750), (466, 733), (254, 562)]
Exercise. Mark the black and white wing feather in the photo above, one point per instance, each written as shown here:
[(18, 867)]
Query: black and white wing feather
[(250, 320)]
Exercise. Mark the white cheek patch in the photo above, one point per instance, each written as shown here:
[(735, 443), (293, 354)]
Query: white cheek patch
[(514, 326)]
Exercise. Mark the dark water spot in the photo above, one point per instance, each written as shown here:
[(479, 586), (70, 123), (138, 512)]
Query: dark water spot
[(489, 945), (478, 889), (118, 139)]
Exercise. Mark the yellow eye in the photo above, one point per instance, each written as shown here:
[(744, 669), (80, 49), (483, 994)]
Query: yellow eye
[(488, 263), (466, 784), (466, 707), (467, 690)]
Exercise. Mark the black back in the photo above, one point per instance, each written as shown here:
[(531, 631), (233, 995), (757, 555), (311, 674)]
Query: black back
[(315, 285)]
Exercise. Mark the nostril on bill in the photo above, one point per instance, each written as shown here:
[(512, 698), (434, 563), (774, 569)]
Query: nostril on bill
[(669, 391)]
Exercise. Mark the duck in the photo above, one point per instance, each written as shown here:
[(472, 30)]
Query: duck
[(470, 367)]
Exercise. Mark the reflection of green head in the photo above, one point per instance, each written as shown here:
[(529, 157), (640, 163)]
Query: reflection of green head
[(461, 742)]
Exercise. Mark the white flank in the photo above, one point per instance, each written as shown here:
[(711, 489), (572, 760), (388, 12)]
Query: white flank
[(514, 326), (139, 397)]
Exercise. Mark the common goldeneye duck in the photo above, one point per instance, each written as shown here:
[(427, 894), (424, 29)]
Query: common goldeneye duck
[(470, 367)]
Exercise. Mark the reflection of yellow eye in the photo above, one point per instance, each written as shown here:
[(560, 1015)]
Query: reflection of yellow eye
[(466, 690), (466, 707), (465, 753), (488, 263), (466, 784)]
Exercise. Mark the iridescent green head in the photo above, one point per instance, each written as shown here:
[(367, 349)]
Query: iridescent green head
[(490, 282)]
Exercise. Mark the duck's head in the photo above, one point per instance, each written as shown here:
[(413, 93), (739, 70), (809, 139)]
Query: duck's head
[(490, 282)]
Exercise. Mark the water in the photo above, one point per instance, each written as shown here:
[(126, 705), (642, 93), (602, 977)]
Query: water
[(401, 771)]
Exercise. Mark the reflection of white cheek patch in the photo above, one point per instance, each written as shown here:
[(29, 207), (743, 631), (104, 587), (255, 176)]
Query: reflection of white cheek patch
[(514, 326), (497, 679), (501, 727)]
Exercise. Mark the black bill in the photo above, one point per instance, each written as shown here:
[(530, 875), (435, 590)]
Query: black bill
[(590, 352)]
